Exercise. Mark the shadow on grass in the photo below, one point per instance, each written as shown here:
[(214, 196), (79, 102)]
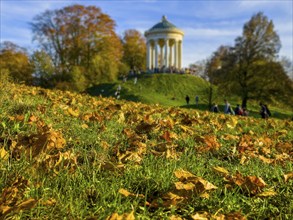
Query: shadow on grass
[(109, 89)]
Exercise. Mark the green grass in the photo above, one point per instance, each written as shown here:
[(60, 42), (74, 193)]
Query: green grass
[(171, 89), (113, 144)]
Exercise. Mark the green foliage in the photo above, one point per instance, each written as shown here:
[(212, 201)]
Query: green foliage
[(43, 68), (249, 68), (103, 70), (134, 50), (78, 80), (14, 60)]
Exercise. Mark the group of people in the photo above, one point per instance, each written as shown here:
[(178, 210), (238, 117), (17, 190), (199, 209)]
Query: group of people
[(264, 110), (187, 99), (228, 109), (238, 110)]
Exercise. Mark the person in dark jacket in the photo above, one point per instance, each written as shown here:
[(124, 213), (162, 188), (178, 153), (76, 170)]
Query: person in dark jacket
[(187, 99)]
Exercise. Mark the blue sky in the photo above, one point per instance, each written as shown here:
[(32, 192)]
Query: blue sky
[(207, 24)]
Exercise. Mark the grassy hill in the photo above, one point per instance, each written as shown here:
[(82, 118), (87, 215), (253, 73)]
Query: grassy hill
[(171, 89), (73, 156), (164, 89)]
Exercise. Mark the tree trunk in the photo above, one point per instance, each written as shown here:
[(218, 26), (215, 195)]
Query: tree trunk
[(210, 98), (244, 101)]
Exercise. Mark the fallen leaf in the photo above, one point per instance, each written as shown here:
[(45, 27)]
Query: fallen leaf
[(267, 193), (3, 154), (28, 204), (126, 193), (84, 126), (288, 176), (200, 216), (265, 160), (221, 170), (72, 112), (175, 217), (182, 174), (125, 216), (232, 122)]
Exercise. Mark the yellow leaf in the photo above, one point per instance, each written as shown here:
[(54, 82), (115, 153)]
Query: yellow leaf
[(28, 204), (125, 216), (3, 154), (243, 159), (121, 118), (174, 217), (253, 184), (171, 199), (229, 137), (265, 160), (84, 126), (49, 202), (221, 170), (288, 176), (124, 192), (182, 174), (200, 216), (72, 112), (267, 194), (204, 195), (4, 210), (232, 122), (202, 183), (184, 186)]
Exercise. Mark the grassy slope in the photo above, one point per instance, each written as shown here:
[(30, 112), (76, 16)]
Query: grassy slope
[(171, 89), (66, 156), (164, 89)]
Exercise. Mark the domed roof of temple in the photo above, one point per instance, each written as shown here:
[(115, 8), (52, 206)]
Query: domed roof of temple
[(164, 27), (164, 24)]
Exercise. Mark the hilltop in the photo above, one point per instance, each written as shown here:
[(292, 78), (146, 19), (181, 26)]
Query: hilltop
[(65, 155)]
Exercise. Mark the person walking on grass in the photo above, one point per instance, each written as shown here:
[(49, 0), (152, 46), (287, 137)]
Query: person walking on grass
[(264, 112), (227, 108), (187, 99)]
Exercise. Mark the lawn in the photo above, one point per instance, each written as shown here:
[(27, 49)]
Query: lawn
[(74, 156)]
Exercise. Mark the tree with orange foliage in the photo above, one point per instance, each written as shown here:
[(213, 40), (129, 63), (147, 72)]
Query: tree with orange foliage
[(74, 37)]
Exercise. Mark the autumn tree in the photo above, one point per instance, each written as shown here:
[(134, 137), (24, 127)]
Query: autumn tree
[(242, 68), (134, 49), (43, 68), (259, 41), (74, 36), (15, 62)]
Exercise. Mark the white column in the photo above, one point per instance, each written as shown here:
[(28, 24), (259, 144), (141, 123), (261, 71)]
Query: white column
[(156, 54), (148, 56), (176, 54), (152, 57), (161, 57), (180, 55), (166, 63), (171, 56)]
